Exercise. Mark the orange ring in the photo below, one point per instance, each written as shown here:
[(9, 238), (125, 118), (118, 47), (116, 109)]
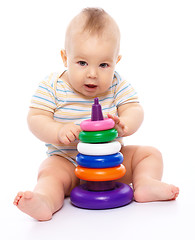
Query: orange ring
[(100, 174)]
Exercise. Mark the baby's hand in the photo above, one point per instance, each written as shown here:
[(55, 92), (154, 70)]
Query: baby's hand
[(69, 133), (119, 125)]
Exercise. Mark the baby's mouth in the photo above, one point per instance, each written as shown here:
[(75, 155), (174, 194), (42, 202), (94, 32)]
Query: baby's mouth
[(91, 86)]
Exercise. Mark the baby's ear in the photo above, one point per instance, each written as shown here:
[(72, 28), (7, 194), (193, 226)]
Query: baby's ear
[(119, 58), (64, 57)]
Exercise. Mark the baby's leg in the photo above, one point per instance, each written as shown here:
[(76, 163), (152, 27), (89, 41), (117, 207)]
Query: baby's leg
[(144, 169), (56, 179)]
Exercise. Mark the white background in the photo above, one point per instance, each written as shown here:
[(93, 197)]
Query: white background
[(158, 59)]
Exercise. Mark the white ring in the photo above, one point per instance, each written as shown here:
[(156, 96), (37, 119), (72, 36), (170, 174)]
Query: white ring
[(99, 148)]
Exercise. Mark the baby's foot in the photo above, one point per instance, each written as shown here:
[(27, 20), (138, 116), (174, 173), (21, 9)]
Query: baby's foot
[(150, 190), (33, 204)]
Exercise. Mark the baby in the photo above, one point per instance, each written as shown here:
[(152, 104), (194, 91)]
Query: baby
[(62, 101)]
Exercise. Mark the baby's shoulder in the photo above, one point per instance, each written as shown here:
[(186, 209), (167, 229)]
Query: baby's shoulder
[(52, 80), (55, 82), (118, 78)]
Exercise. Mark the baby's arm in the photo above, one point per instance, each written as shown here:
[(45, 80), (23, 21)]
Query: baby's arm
[(130, 118), (43, 126)]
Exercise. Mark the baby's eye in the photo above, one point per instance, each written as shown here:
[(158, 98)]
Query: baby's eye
[(82, 63), (104, 65)]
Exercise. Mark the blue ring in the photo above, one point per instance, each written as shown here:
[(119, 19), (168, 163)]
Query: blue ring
[(121, 195), (105, 161)]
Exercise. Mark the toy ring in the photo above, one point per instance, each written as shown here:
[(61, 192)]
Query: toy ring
[(120, 196), (99, 149), (100, 174), (105, 161), (88, 125), (98, 136), (100, 186)]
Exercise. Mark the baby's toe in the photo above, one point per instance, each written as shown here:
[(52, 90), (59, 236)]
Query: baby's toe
[(175, 192), (18, 197)]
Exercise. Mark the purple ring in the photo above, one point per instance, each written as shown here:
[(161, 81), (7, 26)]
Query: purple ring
[(121, 195)]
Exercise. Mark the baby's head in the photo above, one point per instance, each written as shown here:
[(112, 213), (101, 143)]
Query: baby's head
[(92, 22), (91, 52)]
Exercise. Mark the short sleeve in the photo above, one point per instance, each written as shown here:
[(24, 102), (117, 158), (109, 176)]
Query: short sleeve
[(44, 97), (124, 92)]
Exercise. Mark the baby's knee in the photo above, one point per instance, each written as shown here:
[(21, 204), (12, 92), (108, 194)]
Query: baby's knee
[(152, 151), (144, 152)]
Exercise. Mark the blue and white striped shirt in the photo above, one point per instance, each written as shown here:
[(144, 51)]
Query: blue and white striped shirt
[(56, 96)]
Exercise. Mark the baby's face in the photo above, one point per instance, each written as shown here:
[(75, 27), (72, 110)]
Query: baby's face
[(91, 62)]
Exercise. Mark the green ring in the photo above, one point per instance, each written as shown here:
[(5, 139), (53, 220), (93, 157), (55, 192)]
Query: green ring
[(98, 136)]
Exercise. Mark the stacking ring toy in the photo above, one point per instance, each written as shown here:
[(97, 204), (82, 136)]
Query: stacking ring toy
[(105, 161), (120, 196), (100, 174), (88, 125), (99, 149), (98, 136), (100, 186)]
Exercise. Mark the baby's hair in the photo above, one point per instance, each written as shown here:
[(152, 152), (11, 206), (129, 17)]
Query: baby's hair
[(96, 20)]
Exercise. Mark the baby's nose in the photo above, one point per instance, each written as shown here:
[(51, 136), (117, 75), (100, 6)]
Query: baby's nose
[(92, 72)]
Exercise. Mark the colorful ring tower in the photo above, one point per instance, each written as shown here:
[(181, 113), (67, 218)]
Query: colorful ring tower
[(99, 164)]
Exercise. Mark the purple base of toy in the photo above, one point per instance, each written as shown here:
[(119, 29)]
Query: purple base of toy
[(121, 195)]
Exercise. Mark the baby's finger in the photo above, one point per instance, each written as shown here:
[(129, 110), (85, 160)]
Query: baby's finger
[(110, 116), (65, 140), (77, 131), (71, 136), (114, 118), (121, 124)]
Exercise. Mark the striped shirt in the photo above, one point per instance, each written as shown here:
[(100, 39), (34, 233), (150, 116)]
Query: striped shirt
[(56, 96)]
